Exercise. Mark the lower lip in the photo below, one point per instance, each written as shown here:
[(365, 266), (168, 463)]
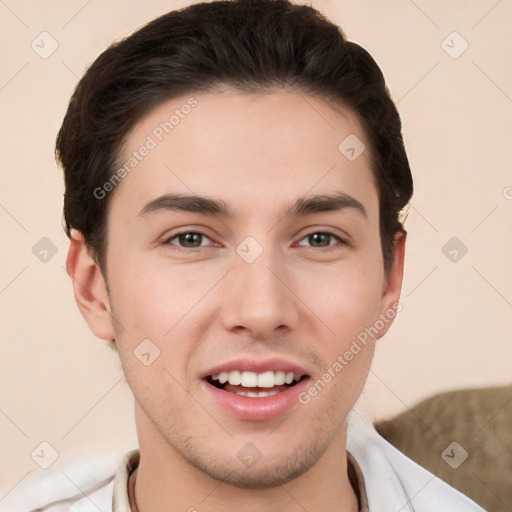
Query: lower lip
[(257, 408)]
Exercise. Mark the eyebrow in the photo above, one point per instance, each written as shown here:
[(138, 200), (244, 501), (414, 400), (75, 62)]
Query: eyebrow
[(217, 207)]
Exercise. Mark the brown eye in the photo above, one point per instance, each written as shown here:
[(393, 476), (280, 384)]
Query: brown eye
[(187, 239), (323, 239)]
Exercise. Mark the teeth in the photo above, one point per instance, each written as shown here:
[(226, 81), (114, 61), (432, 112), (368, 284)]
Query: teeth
[(260, 394), (279, 378), (249, 380), (267, 379), (267, 393), (235, 378)]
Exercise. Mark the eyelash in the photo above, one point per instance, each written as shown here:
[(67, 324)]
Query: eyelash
[(342, 242)]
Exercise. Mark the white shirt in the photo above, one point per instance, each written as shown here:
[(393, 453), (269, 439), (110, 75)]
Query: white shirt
[(386, 479)]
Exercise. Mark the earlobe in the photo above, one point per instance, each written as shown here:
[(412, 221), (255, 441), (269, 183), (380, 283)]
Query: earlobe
[(89, 288), (392, 286)]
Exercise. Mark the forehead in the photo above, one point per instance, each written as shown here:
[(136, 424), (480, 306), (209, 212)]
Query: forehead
[(251, 149)]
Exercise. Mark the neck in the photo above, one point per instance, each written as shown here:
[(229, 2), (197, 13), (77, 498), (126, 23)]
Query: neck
[(163, 477)]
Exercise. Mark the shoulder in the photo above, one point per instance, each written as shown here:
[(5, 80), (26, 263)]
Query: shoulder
[(393, 479), (90, 500), (73, 483)]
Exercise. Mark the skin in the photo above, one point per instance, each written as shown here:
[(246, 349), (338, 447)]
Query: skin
[(202, 304)]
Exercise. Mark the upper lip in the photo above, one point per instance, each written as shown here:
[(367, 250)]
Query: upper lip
[(257, 366)]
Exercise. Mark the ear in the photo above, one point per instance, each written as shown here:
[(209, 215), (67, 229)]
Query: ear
[(393, 284), (89, 288)]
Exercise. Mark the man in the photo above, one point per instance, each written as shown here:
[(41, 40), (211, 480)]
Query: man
[(235, 173)]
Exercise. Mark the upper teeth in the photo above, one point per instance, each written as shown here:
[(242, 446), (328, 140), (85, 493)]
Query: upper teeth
[(251, 380)]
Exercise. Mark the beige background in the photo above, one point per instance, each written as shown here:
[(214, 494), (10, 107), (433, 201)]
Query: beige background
[(63, 386)]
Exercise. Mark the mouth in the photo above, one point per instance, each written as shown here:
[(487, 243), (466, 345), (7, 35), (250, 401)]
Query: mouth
[(251, 391), (255, 385)]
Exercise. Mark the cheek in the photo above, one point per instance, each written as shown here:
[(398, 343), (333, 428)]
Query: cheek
[(349, 310), (162, 304), (154, 308), (157, 298), (346, 298)]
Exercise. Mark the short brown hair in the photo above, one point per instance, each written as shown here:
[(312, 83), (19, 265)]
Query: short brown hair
[(253, 45)]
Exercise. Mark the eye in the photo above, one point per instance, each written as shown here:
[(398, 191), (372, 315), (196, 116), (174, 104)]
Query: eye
[(194, 240), (322, 239), (188, 239)]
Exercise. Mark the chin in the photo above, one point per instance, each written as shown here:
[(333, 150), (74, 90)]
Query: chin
[(263, 477), (249, 468)]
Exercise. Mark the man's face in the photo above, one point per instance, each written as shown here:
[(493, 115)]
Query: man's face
[(262, 290)]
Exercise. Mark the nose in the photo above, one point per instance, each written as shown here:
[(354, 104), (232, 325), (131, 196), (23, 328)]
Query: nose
[(259, 299)]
